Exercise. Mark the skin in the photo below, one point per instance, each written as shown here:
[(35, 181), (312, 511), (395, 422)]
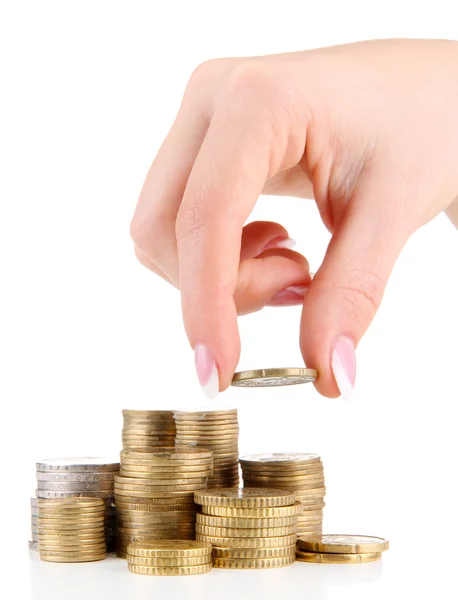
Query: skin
[(367, 130)]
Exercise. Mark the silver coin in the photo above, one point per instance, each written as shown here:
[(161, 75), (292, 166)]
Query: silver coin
[(74, 486), (77, 477), (281, 457), (47, 494), (78, 465), (33, 546), (274, 377)]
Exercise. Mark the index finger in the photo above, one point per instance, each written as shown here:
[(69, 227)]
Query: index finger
[(225, 183)]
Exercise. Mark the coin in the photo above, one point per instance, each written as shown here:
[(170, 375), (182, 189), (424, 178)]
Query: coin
[(71, 503), (171, 549), (273, 377), (173, 475), (169, 562), (168, 454), (263, 542), (152, 489), (77, 477), (280, 459), (268, 512), (33, 546), (85, 464), (195, 570), (71, 541), (205, 414), (239, 522), (326, 558), (245, 533), (72, 559), (254, 552), (244, 498), (345, 544), (48, 494), (152, 495), (253, 563), (158, 499), (155, 481)]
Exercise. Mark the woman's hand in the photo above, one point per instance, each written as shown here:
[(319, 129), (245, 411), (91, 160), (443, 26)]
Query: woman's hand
[(369, 130)]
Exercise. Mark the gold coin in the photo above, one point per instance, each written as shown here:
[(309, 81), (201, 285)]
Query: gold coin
[(155, 498), (155, 508), (152, 489), (344, 544), (244, 498), (203, 414), (284, 478), (164, 531), (266, 542), (268, 512), (254, 552), (72, 559), (170, 549), (151, 516), (168, 454), (85, 548), (70, 503), (169, 562), (253, 563), (273, 377), (83, 535), (316, 557), (141, 481), (71, 542), (240, 522), (172, 475), (207, 429), (281, 460), (239, 532), (195, 570), (69, 529), (305, 488), (152, 494), (125, 540)]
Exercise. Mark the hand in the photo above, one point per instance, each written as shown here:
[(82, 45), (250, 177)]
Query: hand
[(369, 130)]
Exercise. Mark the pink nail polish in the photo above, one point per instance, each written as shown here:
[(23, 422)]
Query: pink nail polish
[(280, 242), (207, 371), (343, 364), (290, 296)]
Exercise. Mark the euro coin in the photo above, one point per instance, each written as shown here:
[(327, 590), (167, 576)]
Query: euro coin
[(254, 552), (170, 571), (273, 377), (78, 465), (244, 498), (242, 533), (169, 562), (265, 542), (316, 557), (344, 544), (171, 549), (239, 522), (267, 512), (253, 563)]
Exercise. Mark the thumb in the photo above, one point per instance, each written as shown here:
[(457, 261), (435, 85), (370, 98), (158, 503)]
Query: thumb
[(346, 293)]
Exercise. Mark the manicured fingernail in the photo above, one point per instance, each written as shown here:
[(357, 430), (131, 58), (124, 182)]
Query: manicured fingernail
[(290, 296), (281, 242), (343, 364), (207, 371)]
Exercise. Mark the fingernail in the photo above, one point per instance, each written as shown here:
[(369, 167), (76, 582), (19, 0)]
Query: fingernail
[(207, 371), (290, 296), (343, 364), (281, 242)]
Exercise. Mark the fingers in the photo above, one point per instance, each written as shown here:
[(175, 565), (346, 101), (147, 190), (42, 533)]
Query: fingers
[(347, 291), (262, 235), (291, 182), (275, 278), (146, 262), (224, 185)]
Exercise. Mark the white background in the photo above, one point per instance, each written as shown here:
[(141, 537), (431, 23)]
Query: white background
[(89, 90)]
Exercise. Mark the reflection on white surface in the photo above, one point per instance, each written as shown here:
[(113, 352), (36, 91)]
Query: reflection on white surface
[(111, 579)]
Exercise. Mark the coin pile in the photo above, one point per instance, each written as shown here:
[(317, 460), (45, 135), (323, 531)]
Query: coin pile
[(169, 557), (217, 430), (155, 494), (80, 477), (250, 528), (33, 543), (340, 549), (299, 473), (148, 429), (71, 529)]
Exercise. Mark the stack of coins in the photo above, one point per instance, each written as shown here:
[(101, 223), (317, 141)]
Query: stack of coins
[(155, 494), (217, 430), (144, 429), (71, 529), (170, 557), (340, 549), (249, 528), (299, 473), (33, 543), (81, 477)]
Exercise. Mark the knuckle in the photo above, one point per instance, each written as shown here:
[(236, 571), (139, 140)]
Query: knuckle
[(361, 296), (203, 72)]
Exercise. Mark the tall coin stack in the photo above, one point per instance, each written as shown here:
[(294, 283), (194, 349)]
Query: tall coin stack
[(71, 529), (81, 477), (217, 430), (248, 528), (155, 494), (299, 473), (148, 429), (33, 543)]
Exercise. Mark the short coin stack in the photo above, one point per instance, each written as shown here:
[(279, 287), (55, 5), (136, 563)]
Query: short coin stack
[(155, 494), (169, 557), (217, 430), (80, 477), (248, 528), (33, 543), (340, 549), (148, 429), (299, 473), (71, 529)]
